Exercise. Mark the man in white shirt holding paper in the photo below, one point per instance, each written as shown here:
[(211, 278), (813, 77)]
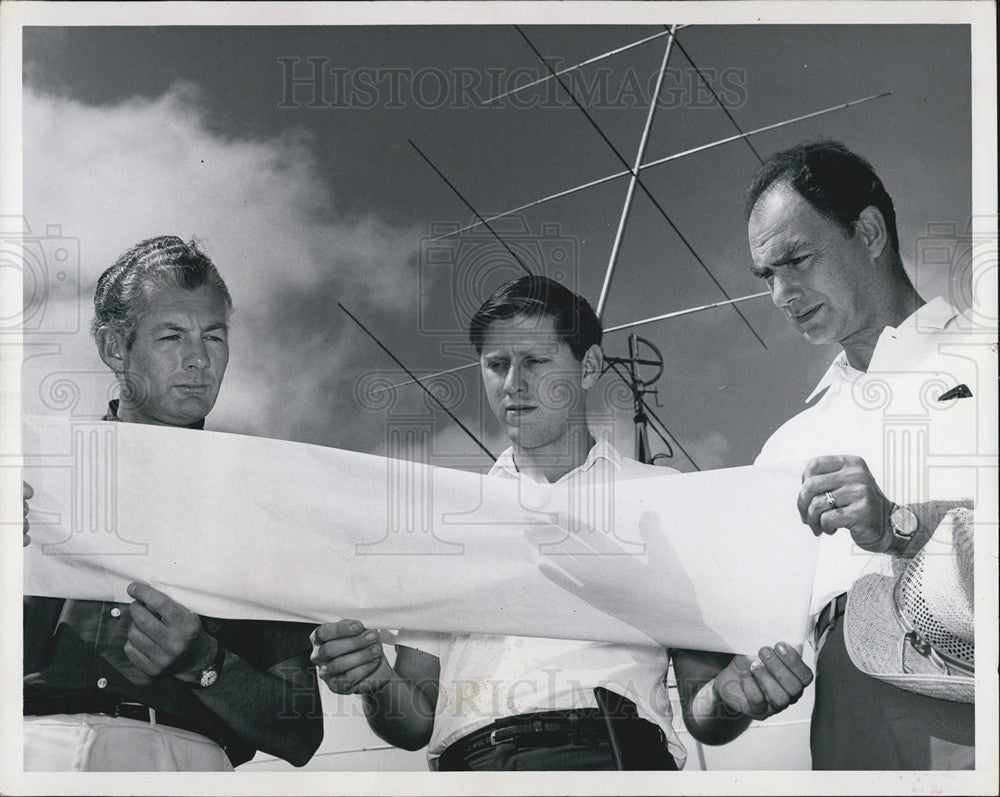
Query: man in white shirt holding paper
[(904, 389), (487, 702)]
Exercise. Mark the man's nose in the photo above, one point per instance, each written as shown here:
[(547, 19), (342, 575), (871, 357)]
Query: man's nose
[(196, 354), (513, 381), (785, 289)]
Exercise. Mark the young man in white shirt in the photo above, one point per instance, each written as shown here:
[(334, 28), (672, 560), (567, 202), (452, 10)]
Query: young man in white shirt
[(488, 702)]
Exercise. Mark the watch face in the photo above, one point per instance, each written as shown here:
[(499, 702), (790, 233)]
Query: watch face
[(904, 522), (208, 677)]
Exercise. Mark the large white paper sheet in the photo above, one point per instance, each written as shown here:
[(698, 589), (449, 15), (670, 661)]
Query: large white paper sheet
[(235, 526)]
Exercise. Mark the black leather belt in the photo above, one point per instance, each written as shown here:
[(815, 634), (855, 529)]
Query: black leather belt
[(70, 704), (833, 611), (552, 729), (544, 729)]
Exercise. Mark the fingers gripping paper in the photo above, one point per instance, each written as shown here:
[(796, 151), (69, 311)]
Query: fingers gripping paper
[(243, 527)]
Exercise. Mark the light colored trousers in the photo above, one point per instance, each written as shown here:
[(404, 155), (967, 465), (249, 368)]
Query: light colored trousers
[(99, 743)]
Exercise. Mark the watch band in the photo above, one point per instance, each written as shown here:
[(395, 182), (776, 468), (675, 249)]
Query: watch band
[(903, 524), (898, 545), (211, 673)]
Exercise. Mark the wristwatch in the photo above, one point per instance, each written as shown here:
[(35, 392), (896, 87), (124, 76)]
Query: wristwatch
[(904, 523), (210, 674)]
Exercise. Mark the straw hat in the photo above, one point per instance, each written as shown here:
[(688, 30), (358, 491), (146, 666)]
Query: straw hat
[(909, 622)]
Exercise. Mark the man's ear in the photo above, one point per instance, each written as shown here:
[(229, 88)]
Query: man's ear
[(592, 364), (872, 229), (111, 347)]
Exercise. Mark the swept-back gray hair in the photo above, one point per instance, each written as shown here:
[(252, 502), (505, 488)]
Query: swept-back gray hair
[(164, 260)]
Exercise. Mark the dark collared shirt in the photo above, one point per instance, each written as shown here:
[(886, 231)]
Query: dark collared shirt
[(74, 654), (112, 415)]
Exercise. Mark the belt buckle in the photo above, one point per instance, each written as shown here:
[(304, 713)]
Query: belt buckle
[(494, 741), (828, 615), (574, 727), (119, 705)]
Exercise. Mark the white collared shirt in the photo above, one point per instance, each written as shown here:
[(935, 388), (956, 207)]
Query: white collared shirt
[(486, 677), (603, 464), (918, 448)]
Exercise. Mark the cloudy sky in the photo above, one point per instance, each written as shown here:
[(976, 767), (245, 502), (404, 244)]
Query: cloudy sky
[(307, 194)]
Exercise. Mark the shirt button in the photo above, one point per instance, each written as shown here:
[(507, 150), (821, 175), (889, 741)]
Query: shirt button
[(116, 612), (102, 683)]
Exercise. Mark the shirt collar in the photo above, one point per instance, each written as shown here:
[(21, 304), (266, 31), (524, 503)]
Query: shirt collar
[(505, 464), (935, 314), (112, 415), (938, 313), (839, 369), (601, 449)]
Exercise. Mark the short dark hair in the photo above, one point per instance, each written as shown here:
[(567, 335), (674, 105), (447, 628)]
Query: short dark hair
[(576, 322), (165, 260), (838, 183)]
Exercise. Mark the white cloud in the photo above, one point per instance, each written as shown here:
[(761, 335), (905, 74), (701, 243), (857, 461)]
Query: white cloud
[(112, 175)]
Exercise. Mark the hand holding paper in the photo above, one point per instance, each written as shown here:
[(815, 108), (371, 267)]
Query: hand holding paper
[(165, 638), (761, 687), (349, 658)]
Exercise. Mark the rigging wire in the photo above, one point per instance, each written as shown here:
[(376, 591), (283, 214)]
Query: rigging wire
[(630, 192), (725, 110), (469, 206), (641, 185), (674, 314), (429, 377), (580, 65), (842, 106), (659, 162), (398, 362), (687, 311)]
